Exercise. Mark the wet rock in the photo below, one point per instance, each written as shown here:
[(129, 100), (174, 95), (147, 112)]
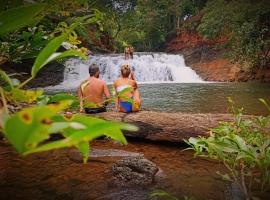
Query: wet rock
[(76, 156), (95, 153), (134, 171), (169, 127), (50, 75), (124, 194)]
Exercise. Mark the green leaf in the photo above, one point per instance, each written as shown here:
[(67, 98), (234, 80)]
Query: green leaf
[(95, 128), (161, 193), (46, 53), (27, 128), (7, 81), (84, 148), (19, 17), (28, 96), (61, 97), (265, 103), (68, 53)]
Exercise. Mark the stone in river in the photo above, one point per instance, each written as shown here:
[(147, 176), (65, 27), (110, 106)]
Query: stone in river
[(134, 171)]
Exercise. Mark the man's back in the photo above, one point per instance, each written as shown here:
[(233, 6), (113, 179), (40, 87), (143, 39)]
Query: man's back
[(94, 90)]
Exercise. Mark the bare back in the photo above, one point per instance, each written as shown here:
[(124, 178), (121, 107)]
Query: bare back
[(125, 81), (94, 91)]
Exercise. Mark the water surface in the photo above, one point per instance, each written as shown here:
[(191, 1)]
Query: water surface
[(200, 97)]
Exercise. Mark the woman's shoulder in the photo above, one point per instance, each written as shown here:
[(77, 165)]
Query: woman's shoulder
[(117, 81)]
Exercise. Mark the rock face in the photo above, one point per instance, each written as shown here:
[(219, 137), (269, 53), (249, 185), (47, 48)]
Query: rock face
[(134, 171), (207, 58), (171, 127), (50, 75)]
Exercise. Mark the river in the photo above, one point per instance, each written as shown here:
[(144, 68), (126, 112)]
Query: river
[(168, 85)]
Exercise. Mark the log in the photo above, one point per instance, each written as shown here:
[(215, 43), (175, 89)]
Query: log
[(170, 127)]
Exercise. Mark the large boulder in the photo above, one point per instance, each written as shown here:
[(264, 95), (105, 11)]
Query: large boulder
[(170, 127), (134, 171)]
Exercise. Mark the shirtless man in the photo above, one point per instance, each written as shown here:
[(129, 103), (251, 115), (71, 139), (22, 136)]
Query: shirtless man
[(91, 92)]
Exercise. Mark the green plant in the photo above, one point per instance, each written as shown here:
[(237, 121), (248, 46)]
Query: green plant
[(244, 148), (166, 195), (29, 129)]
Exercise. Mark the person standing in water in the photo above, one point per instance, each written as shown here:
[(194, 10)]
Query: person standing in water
[(126, 53), (92, 91), (129, 50), (127, 82)]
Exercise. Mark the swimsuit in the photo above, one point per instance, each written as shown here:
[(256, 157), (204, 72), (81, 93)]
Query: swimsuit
[(95, 110), (125, 106)]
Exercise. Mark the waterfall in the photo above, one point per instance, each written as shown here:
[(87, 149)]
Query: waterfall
[(148, 68)]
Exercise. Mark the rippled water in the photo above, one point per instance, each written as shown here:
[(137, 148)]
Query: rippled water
[(201, 97), (204, 98)]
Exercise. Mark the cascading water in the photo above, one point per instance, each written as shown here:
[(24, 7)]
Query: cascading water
[(148, 68)]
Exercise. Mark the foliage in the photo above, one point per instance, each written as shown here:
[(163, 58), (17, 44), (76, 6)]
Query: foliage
[(245, 23), (19, 17), (29, 130), (166, 195), (41, 22), (244, 148), (35, 124)]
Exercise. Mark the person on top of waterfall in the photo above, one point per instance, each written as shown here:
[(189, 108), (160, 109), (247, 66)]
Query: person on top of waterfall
[(92, 91), (129, 50), (126, 88)]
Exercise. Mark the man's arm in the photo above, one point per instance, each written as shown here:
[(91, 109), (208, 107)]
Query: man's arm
[(107, 94), (80, 96)]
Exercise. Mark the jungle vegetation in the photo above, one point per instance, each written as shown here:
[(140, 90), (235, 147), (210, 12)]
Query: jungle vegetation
[(149, 24)]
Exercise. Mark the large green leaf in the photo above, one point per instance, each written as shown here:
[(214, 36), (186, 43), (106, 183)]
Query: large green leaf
[(47, 52), (27, 128), (19, 17), (44, 58), (95, 128)]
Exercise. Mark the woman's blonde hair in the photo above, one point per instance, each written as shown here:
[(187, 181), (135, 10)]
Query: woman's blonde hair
[(125, 71)]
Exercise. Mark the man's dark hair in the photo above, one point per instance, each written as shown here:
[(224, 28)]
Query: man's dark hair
[(93, 69)]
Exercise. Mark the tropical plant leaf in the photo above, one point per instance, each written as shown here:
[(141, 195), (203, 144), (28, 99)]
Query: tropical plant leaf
[(265, 103), (28, 96), (95, 128), (6, 80), (27, 128), (84, 148), (19, 17), (161, 193), (57, 56), (47, 52)]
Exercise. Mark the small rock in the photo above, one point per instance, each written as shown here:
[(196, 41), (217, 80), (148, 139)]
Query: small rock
[(134, 171)]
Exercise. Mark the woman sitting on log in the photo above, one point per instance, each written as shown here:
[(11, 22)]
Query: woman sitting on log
[(128, 96)]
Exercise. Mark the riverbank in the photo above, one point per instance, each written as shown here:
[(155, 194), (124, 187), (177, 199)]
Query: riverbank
[(60, 174), (208, 58)]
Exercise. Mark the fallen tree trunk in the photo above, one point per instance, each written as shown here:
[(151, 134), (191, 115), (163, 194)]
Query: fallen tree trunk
[(172, 127)]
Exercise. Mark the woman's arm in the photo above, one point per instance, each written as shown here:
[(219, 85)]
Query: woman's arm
[(116, 97)]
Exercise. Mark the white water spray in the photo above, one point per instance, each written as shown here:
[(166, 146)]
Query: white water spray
[(148, 68)]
